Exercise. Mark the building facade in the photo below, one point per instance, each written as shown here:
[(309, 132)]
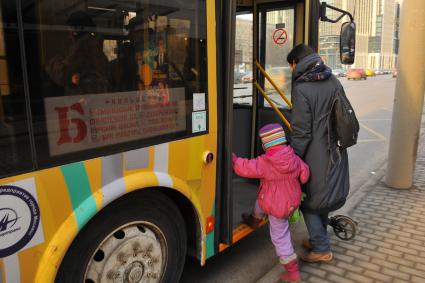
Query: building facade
[(376, 38)]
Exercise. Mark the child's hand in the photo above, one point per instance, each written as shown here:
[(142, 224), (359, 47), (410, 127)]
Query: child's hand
[(234, 157)]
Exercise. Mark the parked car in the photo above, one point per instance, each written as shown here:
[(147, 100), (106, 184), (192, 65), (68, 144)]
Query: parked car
[(379, 72), (356, 74), (238, 77), (248, 78), (370, 73), (339, 73)]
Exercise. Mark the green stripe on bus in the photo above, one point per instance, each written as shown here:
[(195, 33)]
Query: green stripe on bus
[(78, 186), (210, 240), (210, 244)]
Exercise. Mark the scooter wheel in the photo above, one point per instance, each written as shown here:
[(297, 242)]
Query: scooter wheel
[(344, 227)]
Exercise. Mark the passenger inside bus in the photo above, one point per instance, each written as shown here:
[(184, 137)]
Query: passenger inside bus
[(83, 69), (124, 69)]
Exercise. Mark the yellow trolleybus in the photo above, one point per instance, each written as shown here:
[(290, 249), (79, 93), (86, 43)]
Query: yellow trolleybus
[(117, 123)]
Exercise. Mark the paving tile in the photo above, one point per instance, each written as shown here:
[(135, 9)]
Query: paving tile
[(339, 279), (367, 265), (313, 270), (390, 246), (416, 272), (350, 267), (384, 263), (390, 252), (358, 277), (395, 273), (333, 269), (406, 250), (377, 275)]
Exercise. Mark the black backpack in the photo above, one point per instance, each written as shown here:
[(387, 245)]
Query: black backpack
[(345, 124)]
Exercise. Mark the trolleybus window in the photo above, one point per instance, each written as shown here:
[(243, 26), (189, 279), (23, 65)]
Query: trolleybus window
[(112, 75), (15, 147), (279, 40), (243, 70)]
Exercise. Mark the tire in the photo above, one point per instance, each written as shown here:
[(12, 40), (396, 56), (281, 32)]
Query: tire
[(153, 230), (344, 227)]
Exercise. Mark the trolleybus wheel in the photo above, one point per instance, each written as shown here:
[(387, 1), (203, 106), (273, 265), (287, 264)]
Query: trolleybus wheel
[(344, 227), (138, 239)]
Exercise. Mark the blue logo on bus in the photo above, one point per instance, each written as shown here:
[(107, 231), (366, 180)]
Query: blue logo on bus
[(19, 219), (8, 218)]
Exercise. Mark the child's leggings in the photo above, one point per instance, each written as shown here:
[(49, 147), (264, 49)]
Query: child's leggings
[(280, 234)]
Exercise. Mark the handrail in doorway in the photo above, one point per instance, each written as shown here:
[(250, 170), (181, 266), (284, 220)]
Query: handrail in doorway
[(271, 103), (281, 93)]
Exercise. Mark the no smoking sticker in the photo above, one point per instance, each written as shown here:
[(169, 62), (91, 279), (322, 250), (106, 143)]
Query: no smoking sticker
[(280, 36)]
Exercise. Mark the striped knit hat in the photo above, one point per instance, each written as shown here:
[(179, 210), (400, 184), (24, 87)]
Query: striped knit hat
[(271, 135)]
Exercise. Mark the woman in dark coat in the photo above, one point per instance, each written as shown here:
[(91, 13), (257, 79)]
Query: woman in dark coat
[(314, 90)]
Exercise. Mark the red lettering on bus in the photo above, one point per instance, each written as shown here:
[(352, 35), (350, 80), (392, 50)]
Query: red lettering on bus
[(81, 126), (64, 123)]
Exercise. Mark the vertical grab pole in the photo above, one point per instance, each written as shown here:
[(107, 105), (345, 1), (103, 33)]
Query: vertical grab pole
[(255, 55), (228, 31)]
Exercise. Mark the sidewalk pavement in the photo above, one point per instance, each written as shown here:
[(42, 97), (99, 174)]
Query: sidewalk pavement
[(390, 245)]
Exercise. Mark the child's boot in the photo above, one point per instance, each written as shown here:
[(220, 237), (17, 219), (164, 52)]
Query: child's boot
[(251, 220), (292, 272)]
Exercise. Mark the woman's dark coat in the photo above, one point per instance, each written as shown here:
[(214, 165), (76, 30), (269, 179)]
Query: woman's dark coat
[(312, 138)]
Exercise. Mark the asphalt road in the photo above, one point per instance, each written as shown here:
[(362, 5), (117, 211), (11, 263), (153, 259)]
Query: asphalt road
[(248, 260), (373, 102)]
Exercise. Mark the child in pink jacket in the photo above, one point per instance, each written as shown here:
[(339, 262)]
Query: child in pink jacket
[(280, 172)]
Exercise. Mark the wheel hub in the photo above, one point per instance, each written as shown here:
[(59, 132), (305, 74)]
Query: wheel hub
[(136, 256), (134, 272)]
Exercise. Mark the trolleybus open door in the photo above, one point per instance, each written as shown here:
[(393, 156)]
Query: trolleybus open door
[(257, 36), (261, 36)]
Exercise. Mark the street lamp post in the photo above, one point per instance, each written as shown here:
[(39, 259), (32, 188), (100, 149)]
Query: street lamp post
[(409, 96)]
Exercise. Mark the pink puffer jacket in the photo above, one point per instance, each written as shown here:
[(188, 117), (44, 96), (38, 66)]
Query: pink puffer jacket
[(280, 172)]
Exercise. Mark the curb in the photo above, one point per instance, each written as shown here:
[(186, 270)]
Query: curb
[(270, 276)]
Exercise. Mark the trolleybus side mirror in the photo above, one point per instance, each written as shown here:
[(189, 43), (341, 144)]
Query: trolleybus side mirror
[(347, 43)]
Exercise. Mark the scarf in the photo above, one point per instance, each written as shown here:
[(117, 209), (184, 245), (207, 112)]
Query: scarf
[(318, 72)]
